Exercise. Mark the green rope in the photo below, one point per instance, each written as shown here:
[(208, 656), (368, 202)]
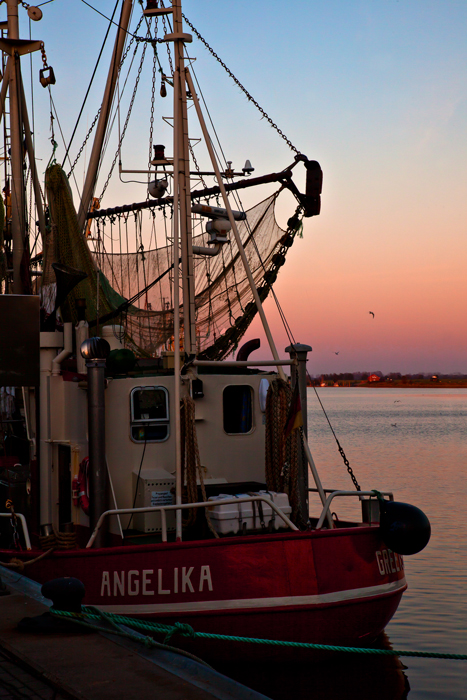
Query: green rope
[(187, 631), (149, 642)]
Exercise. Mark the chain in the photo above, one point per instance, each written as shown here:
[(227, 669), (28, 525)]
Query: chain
[(14, 524), (349, 468), (153, 94), (243, 89), (341, 451), (168, 48), (133, 38), (196, 165), (44, 55), (138, 76), (85, 141)]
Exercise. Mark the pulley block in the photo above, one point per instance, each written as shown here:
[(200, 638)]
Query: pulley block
[(47, 76)]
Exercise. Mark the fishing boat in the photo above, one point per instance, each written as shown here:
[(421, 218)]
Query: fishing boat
[(144, 450)]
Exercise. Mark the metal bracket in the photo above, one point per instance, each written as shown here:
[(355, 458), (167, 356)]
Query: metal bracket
[(19, 46)]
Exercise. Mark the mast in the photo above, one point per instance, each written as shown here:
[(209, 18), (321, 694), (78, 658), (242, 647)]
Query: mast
[(17, 179), (181, 232), (182, 164)]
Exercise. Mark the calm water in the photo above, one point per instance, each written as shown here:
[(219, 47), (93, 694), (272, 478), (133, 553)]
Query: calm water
[(412, 442)]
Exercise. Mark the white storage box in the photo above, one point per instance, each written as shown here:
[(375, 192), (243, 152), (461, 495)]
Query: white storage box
[(154, 489), (235, 518)]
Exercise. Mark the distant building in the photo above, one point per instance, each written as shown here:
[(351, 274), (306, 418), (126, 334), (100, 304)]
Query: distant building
[(374, 378)]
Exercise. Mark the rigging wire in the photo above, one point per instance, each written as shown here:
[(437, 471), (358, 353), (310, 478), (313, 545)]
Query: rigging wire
[(127, 31), (116, 113), (90, 83), (99, 110), (242, 88), (238, 200), (63, 138), (138, 478), (126, 120), (286, 325), (116, 110), (32, 134)]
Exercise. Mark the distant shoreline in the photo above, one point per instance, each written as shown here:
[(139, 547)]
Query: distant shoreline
[(461, 384)]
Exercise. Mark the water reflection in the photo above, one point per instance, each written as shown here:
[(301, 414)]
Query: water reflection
[(413, 443), (331, 676)]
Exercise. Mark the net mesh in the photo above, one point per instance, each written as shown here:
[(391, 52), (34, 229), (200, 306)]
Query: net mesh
[(224, 301)]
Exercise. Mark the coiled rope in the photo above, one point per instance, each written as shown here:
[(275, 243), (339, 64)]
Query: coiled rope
[(191, 463), (184, 630), (282, 454)]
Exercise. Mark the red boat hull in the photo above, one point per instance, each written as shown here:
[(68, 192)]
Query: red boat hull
[(337, 586)]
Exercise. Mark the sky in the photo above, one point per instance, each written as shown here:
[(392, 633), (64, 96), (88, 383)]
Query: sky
[(376, 91)]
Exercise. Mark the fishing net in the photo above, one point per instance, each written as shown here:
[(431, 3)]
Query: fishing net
[(223, 298), (65, 244)]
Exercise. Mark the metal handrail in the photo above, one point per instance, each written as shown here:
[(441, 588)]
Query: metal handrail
[(334, 494), (313, 490), (184, 506), (24, 525)]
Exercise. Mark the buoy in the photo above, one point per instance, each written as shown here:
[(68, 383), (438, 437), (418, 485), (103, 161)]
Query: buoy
[(404, 528)]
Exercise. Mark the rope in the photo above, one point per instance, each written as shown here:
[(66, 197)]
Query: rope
[(149, 642), (19, 565), (187, 631), (282, 454), (191, 464)]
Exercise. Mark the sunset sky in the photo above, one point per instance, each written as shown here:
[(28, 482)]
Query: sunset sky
[(375, 90)]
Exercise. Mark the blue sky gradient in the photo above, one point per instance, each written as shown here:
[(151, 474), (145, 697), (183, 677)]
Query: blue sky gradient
[(375, 90)]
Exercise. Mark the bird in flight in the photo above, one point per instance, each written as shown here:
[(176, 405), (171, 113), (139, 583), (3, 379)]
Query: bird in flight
[(371, 312), (336, 353)]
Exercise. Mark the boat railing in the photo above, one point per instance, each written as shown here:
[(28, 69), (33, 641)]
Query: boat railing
[(24, 525), (163, 510), (336, 494)]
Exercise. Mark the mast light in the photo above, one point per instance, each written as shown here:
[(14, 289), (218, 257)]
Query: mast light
[(247, 169)]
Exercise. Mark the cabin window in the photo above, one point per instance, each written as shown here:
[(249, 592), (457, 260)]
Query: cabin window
[(149, 414), (238, 409)]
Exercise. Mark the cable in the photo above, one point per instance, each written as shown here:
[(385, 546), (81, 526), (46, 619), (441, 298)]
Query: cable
[(135, 37), (63, 138), (137, 480), (90, 83)]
